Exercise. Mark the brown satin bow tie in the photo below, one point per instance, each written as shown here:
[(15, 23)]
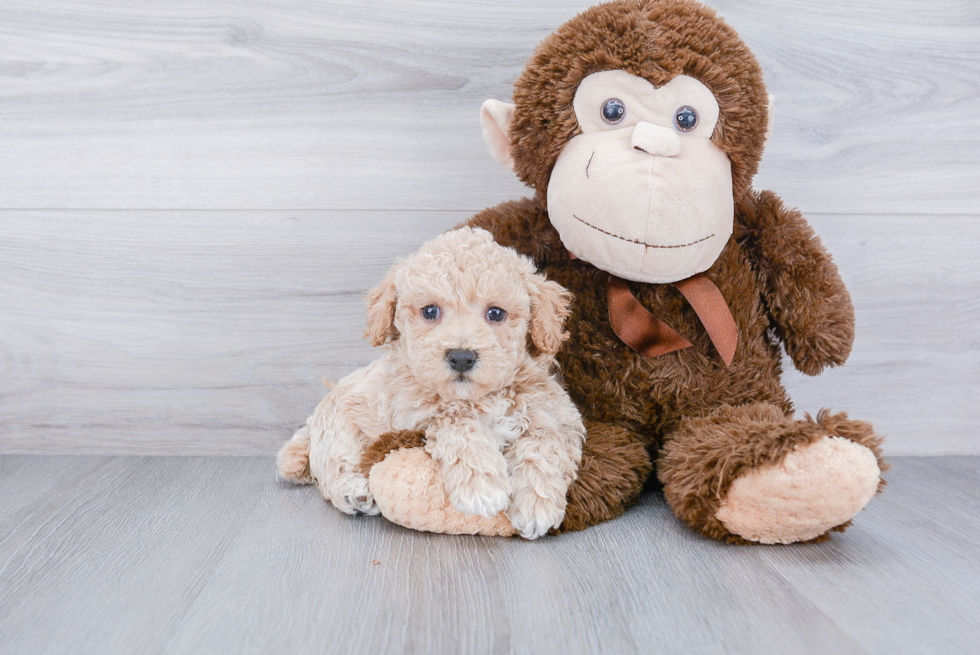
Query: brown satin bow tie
[(651, 337), (648, 335)]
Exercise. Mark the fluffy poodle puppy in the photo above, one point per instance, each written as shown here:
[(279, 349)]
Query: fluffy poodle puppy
[(470, 332)]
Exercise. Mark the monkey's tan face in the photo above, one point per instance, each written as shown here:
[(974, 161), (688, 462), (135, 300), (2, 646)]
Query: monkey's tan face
[(643, 193)]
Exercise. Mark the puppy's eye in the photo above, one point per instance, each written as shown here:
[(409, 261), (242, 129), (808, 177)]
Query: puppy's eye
[(685, 118), (496, 315), (430, 312), (613, 111)]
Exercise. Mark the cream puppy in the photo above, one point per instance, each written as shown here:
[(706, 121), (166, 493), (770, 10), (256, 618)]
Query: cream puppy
[(470, 331)]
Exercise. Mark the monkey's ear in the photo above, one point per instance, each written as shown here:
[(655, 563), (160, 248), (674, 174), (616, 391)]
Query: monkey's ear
[(772, 115), (381, 302), (495, 118), (550, 306)]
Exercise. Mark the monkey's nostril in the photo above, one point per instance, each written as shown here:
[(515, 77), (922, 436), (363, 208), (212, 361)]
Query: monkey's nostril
[(461, 360)]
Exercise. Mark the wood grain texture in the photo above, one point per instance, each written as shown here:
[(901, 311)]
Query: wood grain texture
[(920, 535), (210, 332), (212, 104), (104, 557), (915, 368), (182, 555), (170, 332), (178, 329)]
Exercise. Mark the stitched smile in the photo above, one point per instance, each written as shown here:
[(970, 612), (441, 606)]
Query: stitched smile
[(642, 243)]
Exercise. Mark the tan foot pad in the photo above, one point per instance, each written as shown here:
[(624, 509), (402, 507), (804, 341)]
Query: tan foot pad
[(816, 488), (408, 487)]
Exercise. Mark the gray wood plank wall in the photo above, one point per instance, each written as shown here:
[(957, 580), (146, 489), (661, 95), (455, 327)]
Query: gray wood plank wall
[(195, 194)]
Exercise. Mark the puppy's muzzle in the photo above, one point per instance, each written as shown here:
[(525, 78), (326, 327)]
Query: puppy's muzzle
[(461, 360)]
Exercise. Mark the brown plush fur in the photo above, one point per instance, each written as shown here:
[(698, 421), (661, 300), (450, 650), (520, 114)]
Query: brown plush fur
[(708, 423), (386, 443), (779, 281), (632, 403), (654, 39), (614, 466), (706, 454), (614, 387)]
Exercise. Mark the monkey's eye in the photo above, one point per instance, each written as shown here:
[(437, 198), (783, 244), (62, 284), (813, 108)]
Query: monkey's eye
[(496, 315), (685, 119), (613, 111), (430, 312)]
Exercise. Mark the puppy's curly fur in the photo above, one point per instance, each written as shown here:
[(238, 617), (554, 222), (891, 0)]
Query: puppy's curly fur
[(505, 433)]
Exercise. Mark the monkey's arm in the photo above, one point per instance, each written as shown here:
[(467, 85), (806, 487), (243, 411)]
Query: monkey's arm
[(811, 309), (524, 226)]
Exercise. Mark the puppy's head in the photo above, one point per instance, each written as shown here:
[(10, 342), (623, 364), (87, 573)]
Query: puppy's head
[(466, 313)]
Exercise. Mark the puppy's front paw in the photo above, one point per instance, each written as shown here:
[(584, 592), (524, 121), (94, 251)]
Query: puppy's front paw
[(482, 494), (533, 515), (351, 496)]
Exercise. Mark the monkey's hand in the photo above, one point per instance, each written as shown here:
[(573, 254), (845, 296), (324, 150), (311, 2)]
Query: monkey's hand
[(808, 303)]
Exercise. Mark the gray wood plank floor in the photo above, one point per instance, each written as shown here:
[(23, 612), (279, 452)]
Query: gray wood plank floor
[(212, 555)]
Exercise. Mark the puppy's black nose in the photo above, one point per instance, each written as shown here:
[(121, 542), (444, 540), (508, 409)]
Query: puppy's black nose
[(461, 360)]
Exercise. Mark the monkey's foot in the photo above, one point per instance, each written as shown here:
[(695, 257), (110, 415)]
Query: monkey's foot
[(817, 487), (408, 487)]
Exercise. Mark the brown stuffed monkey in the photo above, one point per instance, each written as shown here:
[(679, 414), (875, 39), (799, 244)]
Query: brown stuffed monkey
[(640, 125)]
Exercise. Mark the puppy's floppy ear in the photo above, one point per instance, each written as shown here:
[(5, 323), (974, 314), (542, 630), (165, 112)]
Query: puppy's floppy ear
[(550, 306), (381, 301)]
